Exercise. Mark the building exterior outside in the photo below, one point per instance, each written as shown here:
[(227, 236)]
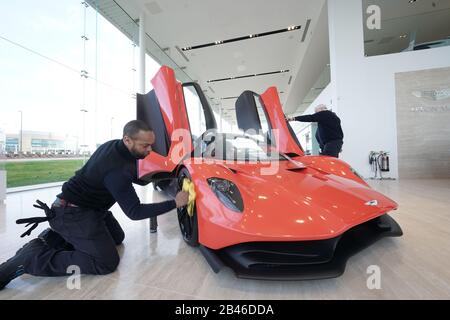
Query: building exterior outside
[(40, 143)]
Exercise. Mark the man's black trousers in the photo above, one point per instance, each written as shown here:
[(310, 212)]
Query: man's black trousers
[(93, 234), (332, 148)]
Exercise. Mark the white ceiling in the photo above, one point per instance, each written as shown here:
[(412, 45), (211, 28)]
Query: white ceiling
[(186, 23)]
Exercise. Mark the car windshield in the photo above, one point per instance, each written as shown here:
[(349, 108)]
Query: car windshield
[(238, 148)]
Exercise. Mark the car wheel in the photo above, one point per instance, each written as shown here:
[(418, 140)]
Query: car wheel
[(188, 224)]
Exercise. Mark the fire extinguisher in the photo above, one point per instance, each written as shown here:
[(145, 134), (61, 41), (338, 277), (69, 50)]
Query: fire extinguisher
[(384, 165)]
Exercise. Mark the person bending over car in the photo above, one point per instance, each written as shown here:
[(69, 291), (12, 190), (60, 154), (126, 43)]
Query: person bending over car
[(83, 231), (329, 133)]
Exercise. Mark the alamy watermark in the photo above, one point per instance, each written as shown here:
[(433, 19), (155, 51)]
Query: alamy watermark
[(74, 280), (250, 147), (374, 280), (373, 22)]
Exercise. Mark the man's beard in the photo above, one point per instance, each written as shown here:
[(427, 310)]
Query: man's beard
[(137, 155)]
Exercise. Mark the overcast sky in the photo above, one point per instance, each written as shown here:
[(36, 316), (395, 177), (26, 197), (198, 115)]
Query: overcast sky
[(50, 93)]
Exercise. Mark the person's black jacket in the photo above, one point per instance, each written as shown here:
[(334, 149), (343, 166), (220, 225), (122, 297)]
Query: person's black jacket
[(107, 178), (328, 126)]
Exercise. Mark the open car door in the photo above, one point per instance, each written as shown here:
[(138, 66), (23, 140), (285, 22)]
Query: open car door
[(264, 113), (173, 111)]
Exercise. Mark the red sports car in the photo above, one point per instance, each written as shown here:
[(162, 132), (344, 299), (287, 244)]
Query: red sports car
[(262, 208)]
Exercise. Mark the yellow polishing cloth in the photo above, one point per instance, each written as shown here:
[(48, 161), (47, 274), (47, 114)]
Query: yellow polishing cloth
[(188, 186)]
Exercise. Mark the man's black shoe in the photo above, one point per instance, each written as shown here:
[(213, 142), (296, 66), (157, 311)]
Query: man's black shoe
[(15, 266)]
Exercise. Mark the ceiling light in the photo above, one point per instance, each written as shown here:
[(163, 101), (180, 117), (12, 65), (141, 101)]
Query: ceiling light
[(247, 76), (403, 36), (250, 36), (412, 1)]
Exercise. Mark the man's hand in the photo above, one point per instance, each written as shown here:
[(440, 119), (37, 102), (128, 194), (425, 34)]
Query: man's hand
[(290, 118), (181, 199)]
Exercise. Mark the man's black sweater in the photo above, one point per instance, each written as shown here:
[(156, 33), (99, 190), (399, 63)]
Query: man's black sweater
[(328, 126), (107, 178)]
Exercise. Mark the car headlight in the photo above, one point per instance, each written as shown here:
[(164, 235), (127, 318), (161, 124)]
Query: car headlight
[(228, 193)]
